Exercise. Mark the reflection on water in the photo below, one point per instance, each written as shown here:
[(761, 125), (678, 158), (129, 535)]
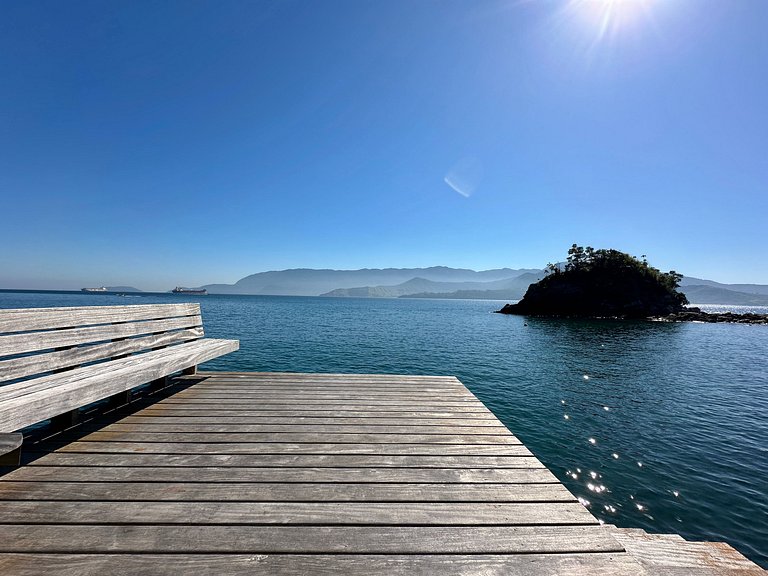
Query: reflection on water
[(669, 428), (654, 425)]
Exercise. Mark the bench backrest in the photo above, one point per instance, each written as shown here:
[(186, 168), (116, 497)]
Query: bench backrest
[(35, 341)]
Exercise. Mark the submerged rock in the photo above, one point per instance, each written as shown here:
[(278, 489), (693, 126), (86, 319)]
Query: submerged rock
[(696, 315)]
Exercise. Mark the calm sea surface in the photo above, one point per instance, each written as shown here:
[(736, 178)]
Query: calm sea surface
[(653, 425)]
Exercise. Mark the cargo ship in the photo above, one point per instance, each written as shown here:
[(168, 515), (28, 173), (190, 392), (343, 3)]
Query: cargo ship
[(100, 289), (193, 291)]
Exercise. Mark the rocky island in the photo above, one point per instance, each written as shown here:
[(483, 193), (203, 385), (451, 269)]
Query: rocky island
[(611, 284)]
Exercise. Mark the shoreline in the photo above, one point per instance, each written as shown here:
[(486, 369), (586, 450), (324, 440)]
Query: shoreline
[(692, 314)]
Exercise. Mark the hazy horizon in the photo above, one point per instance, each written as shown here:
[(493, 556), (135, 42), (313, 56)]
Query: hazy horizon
[(168, 143), (163, 288)]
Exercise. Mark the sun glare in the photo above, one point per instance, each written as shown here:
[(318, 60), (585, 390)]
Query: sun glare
[(609, 18)]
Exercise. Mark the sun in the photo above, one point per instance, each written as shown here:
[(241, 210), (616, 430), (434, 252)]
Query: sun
[(611, 17)]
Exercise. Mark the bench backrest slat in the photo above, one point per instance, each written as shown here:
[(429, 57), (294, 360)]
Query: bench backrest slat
[(36, 341), (53, 339), (26, 319), (37, 364)]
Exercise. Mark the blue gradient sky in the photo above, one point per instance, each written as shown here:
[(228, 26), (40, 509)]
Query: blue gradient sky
[(164, 143)]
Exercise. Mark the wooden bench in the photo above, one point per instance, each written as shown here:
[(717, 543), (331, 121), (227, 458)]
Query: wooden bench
[(53, 361)]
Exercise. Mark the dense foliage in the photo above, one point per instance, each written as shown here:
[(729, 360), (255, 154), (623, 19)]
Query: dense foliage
[(588, 259), (602, 282)]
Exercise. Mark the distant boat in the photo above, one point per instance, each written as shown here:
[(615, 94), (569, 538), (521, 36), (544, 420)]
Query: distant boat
[(100, 289), (195, 291)]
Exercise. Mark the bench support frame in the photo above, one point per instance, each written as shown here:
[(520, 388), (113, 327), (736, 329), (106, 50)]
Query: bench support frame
[(10, 448), (66, 420)]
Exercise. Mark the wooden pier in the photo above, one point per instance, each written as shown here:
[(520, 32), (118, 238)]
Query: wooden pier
[(275, 473)]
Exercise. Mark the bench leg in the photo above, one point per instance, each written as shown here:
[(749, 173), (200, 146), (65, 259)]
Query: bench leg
[(158, 384), (191, 371), (12, 458), (66, 420), (120, 399), (10, 449)]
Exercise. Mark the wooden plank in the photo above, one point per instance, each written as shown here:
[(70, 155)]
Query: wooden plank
[(286, 448), (156, 411), (462, 407), (206, 382), (235, 474), (304, 513), (39, 363), (324, 388), (161, 419), (282, 492), (290, 429), (266, 437), (99, 383), (671, 554), (284, 397), (320, 380), (25, 319), (579, 564), (33, 341), (522, 459), (307, 539), (343, 376), (205, 378), (248, 391), (130, 364)]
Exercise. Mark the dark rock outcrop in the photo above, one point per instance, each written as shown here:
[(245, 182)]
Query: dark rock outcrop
[(599, 293), (696, 315)]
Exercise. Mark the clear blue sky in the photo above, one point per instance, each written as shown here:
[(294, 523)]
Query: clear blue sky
[(160, 143)]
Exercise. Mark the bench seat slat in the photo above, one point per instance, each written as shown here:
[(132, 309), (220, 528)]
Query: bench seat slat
[(25, 319), (34, 341), (49, 396), (25, 366), (31, 385)]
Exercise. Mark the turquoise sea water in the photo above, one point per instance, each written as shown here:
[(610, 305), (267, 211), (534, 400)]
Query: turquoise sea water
[(653, 425)]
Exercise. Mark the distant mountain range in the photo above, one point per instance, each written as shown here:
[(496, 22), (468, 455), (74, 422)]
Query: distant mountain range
[(309, 282), (444, 282), (423, 288)]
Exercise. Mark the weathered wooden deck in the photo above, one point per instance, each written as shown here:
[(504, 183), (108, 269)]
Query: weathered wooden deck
[(252, 473)]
